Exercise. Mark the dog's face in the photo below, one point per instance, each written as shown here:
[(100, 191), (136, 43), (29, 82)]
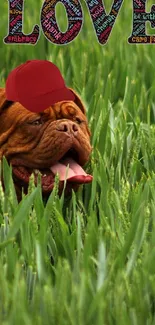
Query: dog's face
[(45, 142)]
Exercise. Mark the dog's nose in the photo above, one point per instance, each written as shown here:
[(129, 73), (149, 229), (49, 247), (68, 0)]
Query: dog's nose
[(70, 127)]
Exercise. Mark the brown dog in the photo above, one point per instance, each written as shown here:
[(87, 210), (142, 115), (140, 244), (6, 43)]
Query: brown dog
[(45, 142)]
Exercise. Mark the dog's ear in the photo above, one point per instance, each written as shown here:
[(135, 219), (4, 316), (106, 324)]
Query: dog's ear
[(4, 103), (2, 98), (78, 101)]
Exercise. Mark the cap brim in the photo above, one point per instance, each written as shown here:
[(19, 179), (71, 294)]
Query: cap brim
[(40, 103)]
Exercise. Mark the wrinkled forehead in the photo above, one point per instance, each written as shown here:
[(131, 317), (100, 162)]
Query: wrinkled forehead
[(67, 109)]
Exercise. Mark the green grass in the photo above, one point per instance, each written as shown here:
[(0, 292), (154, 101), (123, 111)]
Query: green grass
[(90, 260)]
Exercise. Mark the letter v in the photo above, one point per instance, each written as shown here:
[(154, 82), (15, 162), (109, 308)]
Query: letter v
[(103, 23)]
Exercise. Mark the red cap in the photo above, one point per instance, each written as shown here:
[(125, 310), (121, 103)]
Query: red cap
[(37, 84)]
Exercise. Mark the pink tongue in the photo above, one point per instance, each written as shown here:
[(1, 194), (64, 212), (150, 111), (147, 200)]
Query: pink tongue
[(75, 172)]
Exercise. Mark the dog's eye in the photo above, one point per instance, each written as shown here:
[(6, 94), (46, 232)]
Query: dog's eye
[(37, 122), (78, 120)]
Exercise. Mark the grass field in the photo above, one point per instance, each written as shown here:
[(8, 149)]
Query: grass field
[(89, 261)]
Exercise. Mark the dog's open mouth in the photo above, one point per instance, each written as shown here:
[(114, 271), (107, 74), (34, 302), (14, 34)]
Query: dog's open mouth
[(68, 168)]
